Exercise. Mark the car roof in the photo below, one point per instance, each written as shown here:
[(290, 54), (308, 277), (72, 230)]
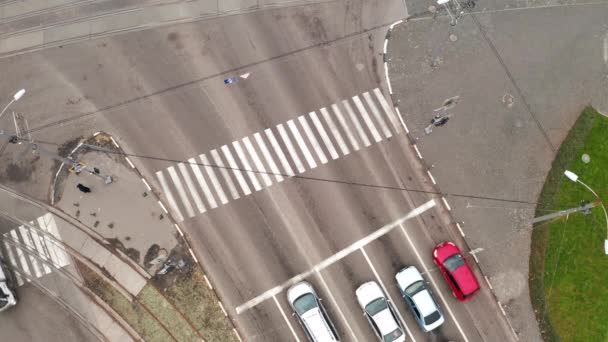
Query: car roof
[(317, 326), (424, 302), (466, 279), (385, 321), (299, 290), (367, 292), (407, 277)]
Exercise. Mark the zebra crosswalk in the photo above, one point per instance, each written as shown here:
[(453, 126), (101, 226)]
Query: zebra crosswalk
[(256, 162), (32, 250)]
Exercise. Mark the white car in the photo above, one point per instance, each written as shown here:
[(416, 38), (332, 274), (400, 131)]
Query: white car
[(311, 314), (380, 313), (7, 298), (419, 298)]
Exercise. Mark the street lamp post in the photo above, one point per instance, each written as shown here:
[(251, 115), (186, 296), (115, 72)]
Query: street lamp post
[(573, 177), (16, 97)]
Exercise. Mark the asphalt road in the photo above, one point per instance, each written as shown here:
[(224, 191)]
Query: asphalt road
[(162, 95)]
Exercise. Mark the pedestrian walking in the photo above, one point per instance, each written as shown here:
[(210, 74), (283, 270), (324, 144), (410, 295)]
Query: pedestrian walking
[(83, 188)]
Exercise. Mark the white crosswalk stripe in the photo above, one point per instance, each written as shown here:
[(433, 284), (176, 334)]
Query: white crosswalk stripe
[(311, 137), (387, 109), (279, 152), (322, 140), (177, 214), (377, 115), (236, 170), (257, 161), (245, 162), (367, 119), (202, 182), (351, 137), (195, 196), (290, 148), (355, 121), (181, 191), (213, 177), (334, 131), (31, 251)]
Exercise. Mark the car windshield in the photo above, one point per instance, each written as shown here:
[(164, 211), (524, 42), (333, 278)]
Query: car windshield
[(305, 303), (395, 334), (376, 306), (432, 318), (453, 262), (414, 288)]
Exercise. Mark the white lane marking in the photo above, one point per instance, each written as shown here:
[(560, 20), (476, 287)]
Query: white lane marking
[(42, 251), (330, 146), (169, 195), (181, 191), (293, 332), (334, 258), (367, 119), (236, 170), (268, 157), (23, 261), (311, 137), (220, 164), (27, 240), (388, 79), (446, 204), (257, 161), (430, 276), (193, 192), (248, 168), (606, 49), (369, 262), (202, 182), (387, 109), (296, 134), (279, 152), (290, 148), (213, 177), (417, 151), (349, 134), (431, 176), (335, 303), (47, 223), (9, 250), (355, 120), (334, 131), (372, 105)]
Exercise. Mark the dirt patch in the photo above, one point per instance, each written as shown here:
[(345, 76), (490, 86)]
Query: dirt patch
[(19, 172), (132, 253)]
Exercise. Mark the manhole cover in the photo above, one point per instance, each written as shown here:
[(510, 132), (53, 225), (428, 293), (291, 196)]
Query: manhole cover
[(453, 37)]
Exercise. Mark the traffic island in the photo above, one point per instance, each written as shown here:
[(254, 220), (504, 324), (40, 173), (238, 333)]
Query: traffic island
[(567, 281)]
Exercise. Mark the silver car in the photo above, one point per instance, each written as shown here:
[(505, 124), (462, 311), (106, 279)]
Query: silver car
[(311, 314), (419, 298)]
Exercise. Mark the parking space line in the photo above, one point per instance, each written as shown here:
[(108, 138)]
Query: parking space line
[(367, 119), (357, 123), (286, 319), (323, 133), (372, 105), (268, 157), (236, 170), (220, 164), (257, 161), (213, 177), (169, 196), (335, 303), (387, 109), (181, 191), (202, 182), (334, 131), (313, 140), (430, 276), (248, 168), (290, 148), (279, 151), (197, 198), (369, 262), (300, 140)]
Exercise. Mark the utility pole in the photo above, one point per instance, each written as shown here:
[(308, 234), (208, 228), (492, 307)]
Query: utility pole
[(583, 208)]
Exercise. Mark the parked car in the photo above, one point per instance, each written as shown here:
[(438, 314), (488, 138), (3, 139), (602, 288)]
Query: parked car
[(419, 298), (7, 297), (456, 271), (311, 314), (380, 313)]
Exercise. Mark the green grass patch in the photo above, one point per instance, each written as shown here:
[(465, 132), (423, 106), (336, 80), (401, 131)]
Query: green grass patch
[(191, 296), (568, 267)]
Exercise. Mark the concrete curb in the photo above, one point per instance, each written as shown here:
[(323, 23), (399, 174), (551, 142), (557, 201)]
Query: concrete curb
[(425, 166)]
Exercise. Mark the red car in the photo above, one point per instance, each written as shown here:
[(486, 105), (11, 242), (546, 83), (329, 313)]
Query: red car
[(456, 271)]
